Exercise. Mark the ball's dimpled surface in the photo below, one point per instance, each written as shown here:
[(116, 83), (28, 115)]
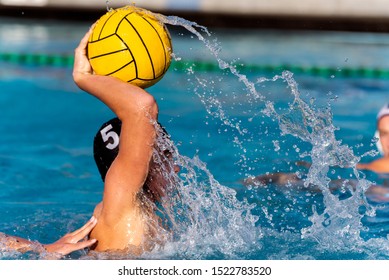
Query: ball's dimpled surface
[(131, 44)]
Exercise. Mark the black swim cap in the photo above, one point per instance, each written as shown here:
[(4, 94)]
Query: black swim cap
[(106, 145)]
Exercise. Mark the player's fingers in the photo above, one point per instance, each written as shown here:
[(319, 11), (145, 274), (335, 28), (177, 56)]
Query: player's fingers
[(85, 229)]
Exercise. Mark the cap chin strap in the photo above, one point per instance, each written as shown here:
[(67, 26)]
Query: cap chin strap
[(378, 143)]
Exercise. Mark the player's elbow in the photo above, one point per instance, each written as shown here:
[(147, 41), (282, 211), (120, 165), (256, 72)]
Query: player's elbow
[(144, 105), (148, 104)]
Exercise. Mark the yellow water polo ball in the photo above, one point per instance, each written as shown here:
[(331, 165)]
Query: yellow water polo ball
[(131, 44)]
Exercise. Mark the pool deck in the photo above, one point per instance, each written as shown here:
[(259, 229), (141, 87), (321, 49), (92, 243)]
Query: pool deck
[(353, 15)]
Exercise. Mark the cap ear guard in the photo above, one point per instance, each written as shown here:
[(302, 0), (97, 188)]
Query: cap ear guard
[(106, 145)]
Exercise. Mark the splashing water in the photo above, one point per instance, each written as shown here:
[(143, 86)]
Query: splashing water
[(335, 229), (206, 219)]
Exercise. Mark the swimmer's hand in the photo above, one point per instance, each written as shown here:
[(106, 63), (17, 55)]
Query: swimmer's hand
[(71, 241), (81, 65)]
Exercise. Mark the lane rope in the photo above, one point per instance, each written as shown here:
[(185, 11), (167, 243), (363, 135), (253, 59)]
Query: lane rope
[(66, 60)]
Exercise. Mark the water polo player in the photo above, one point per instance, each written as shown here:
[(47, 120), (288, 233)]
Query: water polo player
[(125, 220), (380, 165)]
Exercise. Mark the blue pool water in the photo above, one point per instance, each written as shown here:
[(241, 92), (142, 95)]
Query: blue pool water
[(225, 130)]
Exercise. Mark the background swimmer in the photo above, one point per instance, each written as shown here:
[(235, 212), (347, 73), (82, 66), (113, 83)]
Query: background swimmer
[(380, 165)]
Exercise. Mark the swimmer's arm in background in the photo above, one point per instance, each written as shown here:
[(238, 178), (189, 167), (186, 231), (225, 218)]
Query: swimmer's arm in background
[(137, 110), (63, 246), (378, 166), (17, 243)]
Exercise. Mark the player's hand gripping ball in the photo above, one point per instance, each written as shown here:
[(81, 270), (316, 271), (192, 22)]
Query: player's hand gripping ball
[(131, 44)]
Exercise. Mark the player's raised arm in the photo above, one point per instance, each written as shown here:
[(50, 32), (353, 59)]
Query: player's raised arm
[(138, 111)]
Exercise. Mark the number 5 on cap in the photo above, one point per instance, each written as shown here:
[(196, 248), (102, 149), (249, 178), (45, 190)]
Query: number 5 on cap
[(106, 134)]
